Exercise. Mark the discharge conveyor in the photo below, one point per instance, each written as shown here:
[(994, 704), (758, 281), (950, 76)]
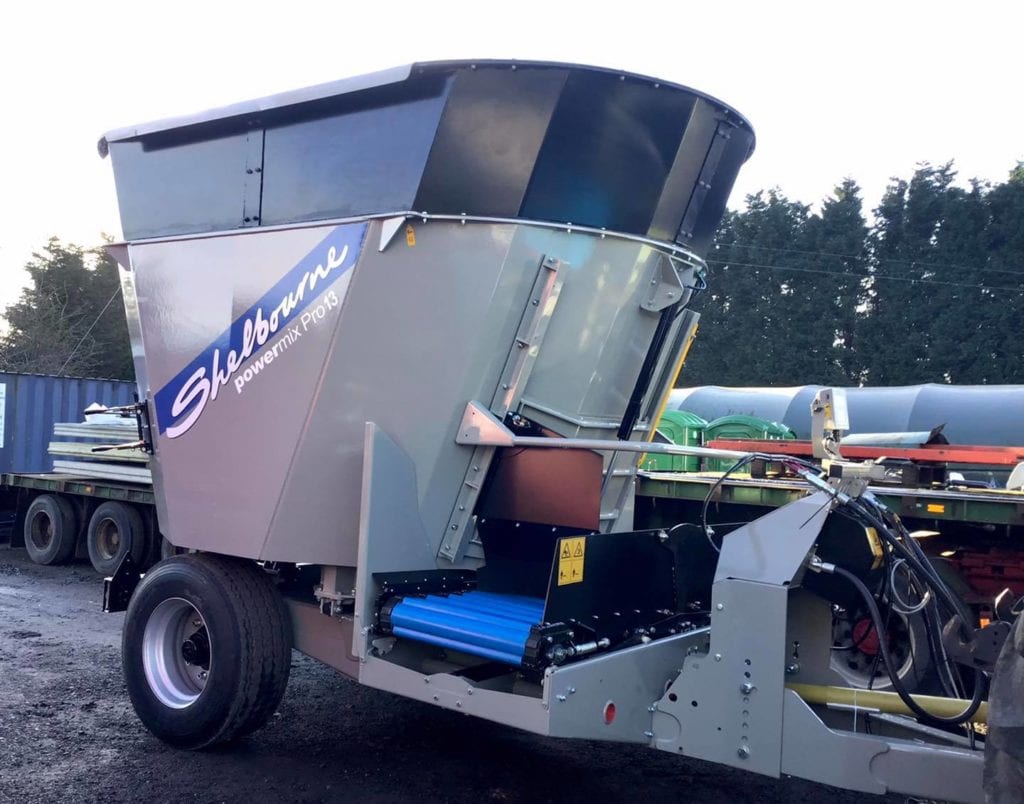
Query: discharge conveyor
[(493, 626)]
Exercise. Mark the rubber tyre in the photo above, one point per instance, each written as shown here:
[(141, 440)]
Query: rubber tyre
[(1003, 777), (115, 529), (51, 530), (249, 637)]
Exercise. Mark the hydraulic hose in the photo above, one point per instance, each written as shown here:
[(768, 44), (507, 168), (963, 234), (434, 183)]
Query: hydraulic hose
[(915, 558), (893, 670)]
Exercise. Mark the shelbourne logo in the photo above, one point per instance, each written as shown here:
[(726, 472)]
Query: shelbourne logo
[(278, 316)]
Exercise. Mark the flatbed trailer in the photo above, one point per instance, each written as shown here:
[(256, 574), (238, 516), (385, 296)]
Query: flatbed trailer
[(80, 486), (966, 516), (57, 517)]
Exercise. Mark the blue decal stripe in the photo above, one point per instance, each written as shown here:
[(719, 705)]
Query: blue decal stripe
[(348, 236)]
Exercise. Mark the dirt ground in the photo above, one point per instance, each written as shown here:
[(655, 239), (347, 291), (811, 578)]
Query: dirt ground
[(68, 732)]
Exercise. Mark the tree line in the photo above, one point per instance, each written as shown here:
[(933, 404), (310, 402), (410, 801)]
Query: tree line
[(931, 289), (70, 318)]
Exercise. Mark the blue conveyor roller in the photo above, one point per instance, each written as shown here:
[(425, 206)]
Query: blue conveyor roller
[(485, 624)]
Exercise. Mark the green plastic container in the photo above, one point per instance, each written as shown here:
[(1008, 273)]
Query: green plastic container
[(677, 427), (745, 427)]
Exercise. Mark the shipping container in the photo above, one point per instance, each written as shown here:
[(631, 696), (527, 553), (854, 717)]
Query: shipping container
[(30, 404)]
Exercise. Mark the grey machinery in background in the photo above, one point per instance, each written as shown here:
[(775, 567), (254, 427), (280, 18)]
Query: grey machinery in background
[(400, 340)]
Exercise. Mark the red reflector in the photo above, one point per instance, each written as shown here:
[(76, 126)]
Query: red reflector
[(609, 712)]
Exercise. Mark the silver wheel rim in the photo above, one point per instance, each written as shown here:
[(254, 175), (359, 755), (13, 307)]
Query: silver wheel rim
[(176, 653), (856, 667)]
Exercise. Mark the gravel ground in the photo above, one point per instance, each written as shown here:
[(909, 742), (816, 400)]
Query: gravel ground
[(68, 732)]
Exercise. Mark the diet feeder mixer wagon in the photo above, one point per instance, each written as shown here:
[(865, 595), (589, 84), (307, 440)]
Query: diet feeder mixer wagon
[(400, 340)]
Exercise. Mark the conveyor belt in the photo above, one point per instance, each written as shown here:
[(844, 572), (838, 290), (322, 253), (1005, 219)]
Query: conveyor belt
[(484, 624)]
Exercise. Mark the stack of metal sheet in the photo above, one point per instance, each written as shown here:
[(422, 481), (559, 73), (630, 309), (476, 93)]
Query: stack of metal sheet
[(74, 453)]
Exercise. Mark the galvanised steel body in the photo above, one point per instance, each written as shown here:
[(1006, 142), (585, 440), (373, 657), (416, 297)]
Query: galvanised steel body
[(558, 203)]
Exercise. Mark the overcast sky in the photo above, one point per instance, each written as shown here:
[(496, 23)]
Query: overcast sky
[(863, 89)]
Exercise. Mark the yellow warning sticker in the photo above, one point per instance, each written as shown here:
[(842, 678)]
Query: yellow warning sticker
[(936, 508), (571, 553), (410, 236)]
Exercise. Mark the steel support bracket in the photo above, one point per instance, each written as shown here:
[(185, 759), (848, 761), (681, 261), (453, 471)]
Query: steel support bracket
[(666, 288)]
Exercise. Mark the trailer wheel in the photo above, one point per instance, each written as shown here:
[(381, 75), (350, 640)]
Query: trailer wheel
[(114, 530), (206, 649), (855, 652), (51, 530)]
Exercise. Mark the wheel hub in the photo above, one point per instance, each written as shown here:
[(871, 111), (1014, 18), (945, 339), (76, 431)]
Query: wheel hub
[(856, 650), (42, 530), (108, 539), (865, 637), (196, 649)]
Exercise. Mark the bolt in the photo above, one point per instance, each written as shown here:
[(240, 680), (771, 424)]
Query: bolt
[(719, 607), (203, 674), (649, 734), (718, 657), (455, 527), (746, 688), (572, 690), (652, 708), (469, 690), (436, 699), (458, 704), (743, 752), (792, 669), (197, 623), (560, 697)]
